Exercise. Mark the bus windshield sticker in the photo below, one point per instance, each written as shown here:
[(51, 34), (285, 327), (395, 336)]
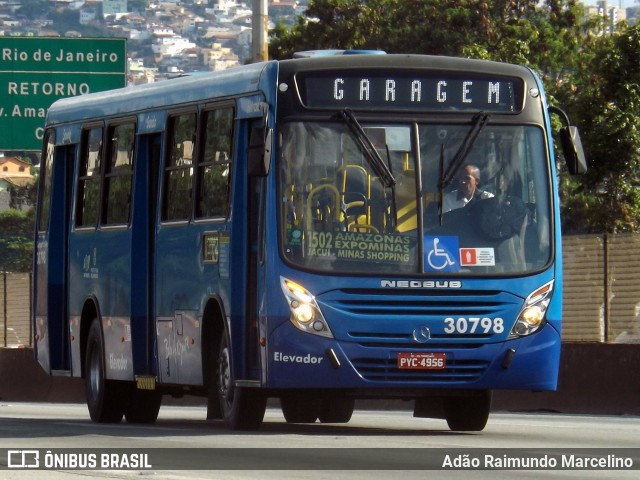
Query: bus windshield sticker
[(441, 254), (477, 257), (390, 248), (294, 236)]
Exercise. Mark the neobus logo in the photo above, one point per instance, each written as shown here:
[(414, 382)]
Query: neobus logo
[(420, 284)]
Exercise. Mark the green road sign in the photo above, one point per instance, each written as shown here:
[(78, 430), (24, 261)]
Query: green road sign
[(37, 71)]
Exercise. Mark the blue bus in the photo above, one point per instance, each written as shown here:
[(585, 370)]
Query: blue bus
[(317, 230)]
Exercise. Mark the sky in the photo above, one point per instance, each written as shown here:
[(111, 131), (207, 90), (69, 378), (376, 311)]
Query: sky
[(615, 3)]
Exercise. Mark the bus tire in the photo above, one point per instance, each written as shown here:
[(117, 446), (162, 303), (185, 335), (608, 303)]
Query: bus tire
[(300, 407), (143, 406), (210, 357), (336, 410), (468, 413), (105, 398), (242, 408)]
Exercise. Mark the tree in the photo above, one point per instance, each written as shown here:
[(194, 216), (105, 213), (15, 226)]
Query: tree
[(606, 100), (536, 33), (16, 240), (342, 24), (547, 36), (138, 6), (24, 196), (34, 8)]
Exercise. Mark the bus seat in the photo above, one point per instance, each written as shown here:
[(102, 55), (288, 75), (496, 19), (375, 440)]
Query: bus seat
[(355, 189)]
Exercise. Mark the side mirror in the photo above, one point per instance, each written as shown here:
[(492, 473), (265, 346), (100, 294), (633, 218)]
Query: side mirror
[(571, 144), (259, 155), (572, 149)]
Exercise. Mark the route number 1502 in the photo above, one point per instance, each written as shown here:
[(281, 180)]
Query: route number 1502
[(473, 325)]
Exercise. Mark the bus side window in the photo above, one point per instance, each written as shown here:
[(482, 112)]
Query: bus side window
[(118, 174), (177, 199), (214, 167), (88, 197)]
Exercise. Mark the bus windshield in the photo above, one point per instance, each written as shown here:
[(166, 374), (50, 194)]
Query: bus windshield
[(459, 204)]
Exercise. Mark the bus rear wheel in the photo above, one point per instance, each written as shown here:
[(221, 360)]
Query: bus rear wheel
[(143, 406), (468, 413), (242, 408), (105, 398)]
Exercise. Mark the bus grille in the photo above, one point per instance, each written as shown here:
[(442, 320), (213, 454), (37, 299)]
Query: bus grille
[(384, 320), (421, 303), (378, 317)]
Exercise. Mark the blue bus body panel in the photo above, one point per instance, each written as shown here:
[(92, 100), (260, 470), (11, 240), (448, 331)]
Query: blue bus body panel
[(100, 269)]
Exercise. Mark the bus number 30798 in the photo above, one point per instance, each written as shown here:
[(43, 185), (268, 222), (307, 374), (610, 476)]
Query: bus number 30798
[(474, 325)]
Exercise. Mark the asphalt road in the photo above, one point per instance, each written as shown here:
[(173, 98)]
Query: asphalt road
[(374, 445)]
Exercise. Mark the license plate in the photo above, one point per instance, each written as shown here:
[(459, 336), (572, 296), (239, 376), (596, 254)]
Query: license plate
[(421, 361)]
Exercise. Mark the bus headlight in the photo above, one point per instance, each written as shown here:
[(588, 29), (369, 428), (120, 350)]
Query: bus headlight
[(305, 312), (532, 315)]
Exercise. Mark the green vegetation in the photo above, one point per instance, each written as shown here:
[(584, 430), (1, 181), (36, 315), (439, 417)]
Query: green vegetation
[(595, 78), (16, 240)]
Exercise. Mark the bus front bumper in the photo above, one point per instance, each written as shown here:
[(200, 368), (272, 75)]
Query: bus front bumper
[(297, 360)]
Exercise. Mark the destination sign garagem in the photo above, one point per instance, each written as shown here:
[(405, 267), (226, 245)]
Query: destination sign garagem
[(414, 92)]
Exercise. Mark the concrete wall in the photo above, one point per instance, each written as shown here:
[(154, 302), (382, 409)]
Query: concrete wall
[(22, 380), (595, 378)]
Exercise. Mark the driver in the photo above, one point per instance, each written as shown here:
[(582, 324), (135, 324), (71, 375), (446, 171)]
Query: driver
[(468, 181)]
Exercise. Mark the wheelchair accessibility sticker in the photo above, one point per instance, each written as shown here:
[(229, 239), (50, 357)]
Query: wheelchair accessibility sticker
[(441, 254)]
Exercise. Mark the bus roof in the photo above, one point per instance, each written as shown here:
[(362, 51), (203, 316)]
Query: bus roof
[(179, 90), (407, 61)]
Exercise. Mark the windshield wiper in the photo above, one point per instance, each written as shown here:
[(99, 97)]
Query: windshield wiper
[(479, 121), (369, 150)]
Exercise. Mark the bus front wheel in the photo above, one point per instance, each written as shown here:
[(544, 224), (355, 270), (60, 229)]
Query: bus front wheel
[(242, 408), (299, 407), (468, 413), (336, 410), (104, 397)]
